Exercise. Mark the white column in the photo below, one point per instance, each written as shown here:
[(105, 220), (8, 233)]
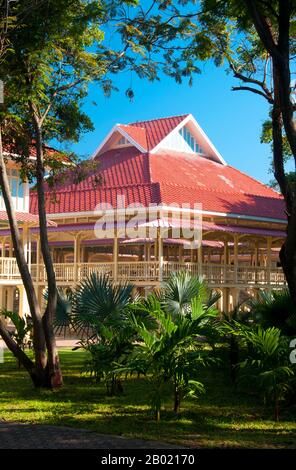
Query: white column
[(24, 308), (25, 242)]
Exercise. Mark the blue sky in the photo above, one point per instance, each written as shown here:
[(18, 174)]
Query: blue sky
[(232, 120)]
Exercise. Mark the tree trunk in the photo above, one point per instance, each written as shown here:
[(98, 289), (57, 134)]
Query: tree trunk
[(38, 336), (177, 399), (277, 44), (288, 250), (54, 369)]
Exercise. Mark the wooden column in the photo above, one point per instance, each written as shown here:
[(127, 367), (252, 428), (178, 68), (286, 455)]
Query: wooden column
[(225, 299), (115, 257), (75, 258), (1, 297), (268, 261), (10, 295), (226, 253), (148, 251), (199, 259), (160, 255), (3, 247), (38, 259), (235, 257)]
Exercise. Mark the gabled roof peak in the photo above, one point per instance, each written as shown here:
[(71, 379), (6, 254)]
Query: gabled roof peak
[(155, 134)]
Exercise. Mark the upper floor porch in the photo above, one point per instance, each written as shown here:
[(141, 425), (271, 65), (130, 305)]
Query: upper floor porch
[(225, 255)]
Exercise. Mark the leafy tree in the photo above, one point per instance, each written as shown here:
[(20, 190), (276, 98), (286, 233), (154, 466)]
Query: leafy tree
[(47, 65), (260, 51), (256, 39)]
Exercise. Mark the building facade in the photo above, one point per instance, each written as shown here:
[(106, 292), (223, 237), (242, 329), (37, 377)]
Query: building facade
[(162, 199)]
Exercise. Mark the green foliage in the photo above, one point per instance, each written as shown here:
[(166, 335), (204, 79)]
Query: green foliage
[(267, 363), (179, 291), (99, 302), (100, 314), (172, 354), (275, 309), (23, 327)]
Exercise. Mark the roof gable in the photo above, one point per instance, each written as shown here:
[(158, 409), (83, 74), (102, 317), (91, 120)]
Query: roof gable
[(158, 129), (144, 135), (164, 133)]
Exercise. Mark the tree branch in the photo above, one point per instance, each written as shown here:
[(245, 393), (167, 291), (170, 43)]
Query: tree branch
[(263, 29), (245, 79), (253, 90)]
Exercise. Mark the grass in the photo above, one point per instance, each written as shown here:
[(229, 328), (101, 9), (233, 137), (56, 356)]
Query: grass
[(222, 417)]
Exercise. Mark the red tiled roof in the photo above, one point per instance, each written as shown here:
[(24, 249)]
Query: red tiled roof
[(220, 188), (168, 178), (50, 151), (26, 217), (136, 133), (87, 200), (156, 130)]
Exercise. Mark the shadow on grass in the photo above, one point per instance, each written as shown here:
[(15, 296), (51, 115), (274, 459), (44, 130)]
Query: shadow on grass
[(222, 417)]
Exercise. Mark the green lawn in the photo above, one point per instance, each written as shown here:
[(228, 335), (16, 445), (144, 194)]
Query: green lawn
[(222, 417)]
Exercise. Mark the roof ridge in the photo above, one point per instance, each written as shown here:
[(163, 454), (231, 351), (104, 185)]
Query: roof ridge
[(157, 119)]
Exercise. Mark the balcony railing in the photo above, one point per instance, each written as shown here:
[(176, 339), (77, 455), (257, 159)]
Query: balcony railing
[(146, 272)]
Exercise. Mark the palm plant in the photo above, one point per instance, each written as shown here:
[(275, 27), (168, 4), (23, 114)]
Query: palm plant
[(181, 288), (100, 311), (172, 354), (178, 292), (98, 301), (276, 309), (267, 363), (63, 314)]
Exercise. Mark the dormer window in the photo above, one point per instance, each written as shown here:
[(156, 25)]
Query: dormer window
[(190, 140), (122, 141)]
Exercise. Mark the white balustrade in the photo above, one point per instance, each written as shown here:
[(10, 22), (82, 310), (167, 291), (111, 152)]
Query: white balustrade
[(148, 271)]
